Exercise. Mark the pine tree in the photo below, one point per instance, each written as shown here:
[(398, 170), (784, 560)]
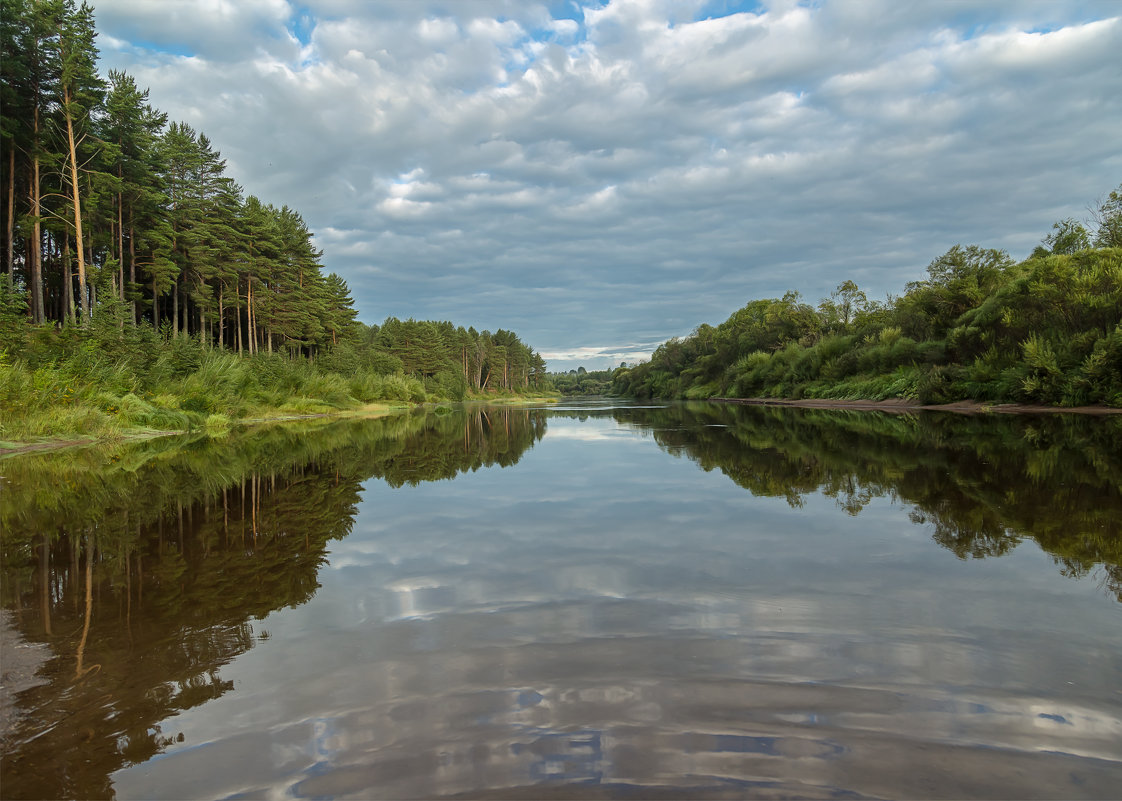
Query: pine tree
[(80, 91), (339, 320), (14, 100), (130, 126)]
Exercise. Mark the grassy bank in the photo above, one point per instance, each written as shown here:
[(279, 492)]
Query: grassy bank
[(105, 385), (101, 397)]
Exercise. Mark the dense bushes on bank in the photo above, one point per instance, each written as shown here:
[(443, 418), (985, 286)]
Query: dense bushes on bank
[(982, 327)]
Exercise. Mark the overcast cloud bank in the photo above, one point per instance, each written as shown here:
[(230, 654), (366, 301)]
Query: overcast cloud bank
[(601, 178)]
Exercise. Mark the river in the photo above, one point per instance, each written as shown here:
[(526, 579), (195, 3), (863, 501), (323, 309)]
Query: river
[(592, 599)]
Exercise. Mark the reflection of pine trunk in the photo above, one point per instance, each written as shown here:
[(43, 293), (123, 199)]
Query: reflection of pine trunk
[(72, 574), (45, 582), (79, 672)]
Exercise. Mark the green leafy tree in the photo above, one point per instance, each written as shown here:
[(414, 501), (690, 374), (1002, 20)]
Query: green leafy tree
[(1108, 217), (1068, 236)]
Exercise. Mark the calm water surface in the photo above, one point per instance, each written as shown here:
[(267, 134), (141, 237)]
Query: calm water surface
[(590, 600)]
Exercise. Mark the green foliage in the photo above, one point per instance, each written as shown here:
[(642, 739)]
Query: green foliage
[(1108, 216), (13, 313), (1068, 236)]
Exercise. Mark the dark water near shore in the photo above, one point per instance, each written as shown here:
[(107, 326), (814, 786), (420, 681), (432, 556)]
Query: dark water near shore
[(589, 600)]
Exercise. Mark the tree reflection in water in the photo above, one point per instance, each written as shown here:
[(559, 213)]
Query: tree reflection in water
[(143, 567), (984, 482)]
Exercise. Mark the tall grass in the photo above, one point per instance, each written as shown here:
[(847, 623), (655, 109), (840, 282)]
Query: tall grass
[(103, 383)]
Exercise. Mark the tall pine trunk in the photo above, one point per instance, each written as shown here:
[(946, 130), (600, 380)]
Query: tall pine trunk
[(250, 317), (67, 283), (35, 252), (79, 243), (238, 318), (121, 240), (11, 211), (132, 262)]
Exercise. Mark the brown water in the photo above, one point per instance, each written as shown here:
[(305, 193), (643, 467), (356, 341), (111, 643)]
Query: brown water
[(541, 603)]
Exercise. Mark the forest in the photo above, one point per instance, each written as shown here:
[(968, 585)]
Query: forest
[(142, 287), (980, 326)]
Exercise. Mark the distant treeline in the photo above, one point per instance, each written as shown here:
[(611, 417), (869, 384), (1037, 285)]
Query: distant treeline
[(1047, 330), (583, 382), (133, 267)]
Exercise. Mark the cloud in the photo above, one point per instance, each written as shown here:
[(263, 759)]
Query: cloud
[(628, 170)]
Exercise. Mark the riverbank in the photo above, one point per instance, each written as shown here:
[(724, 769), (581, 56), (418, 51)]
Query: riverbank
[(55, 443), (368, 410), (903, 405)]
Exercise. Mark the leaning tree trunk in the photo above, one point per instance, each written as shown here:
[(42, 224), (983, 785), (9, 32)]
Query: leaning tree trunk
[(80, 248)]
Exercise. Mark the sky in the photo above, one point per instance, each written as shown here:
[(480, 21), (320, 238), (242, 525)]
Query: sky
[(600, 177)]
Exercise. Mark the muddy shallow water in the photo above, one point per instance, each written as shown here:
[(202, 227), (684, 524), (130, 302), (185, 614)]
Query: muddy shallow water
[(590, 600)]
